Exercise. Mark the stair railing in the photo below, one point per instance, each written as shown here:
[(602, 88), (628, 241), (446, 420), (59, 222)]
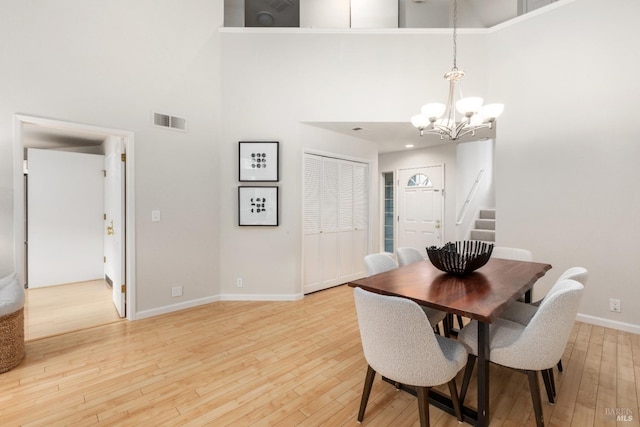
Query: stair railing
[(470, 196)]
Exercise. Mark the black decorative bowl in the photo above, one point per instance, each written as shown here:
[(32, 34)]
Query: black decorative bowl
[(460, 258)]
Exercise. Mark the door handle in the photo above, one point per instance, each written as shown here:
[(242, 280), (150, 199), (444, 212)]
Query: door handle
[(437, 223), (110, 229)]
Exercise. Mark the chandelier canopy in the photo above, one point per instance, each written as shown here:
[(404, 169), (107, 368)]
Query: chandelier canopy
[(440, 119)]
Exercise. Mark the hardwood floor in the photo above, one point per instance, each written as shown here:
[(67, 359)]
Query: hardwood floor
[(279, 363), (54, 310)]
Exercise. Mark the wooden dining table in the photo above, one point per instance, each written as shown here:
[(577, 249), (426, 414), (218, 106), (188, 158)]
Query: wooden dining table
[(481, 295)]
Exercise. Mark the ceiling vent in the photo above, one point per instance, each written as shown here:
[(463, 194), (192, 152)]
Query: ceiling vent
[(272, 13), (170, 122)]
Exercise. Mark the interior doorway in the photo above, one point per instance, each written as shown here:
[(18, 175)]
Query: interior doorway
[(29, 131)]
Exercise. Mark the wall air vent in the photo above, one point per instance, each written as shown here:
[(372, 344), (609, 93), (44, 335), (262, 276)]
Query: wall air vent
[(170, 122)]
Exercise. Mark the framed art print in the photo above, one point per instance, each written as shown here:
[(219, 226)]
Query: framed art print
[(259, 161), (257, 205)]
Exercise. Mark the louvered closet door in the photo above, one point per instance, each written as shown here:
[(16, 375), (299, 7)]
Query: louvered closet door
[(335, 221)]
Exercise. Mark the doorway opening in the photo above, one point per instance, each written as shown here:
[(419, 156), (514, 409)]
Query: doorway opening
[(41, 133)]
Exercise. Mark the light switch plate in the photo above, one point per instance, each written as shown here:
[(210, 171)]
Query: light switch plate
[(155, 215)]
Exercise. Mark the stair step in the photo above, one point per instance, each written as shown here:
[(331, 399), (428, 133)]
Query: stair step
[(487, 214), (484, 235), (486, 224)]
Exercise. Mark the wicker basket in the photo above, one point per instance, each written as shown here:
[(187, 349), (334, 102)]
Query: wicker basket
[(460, 257), (11, 340)]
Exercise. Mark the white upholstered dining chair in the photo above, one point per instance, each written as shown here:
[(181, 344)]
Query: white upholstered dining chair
[(400, 345), (383, 261), (530, 348), (379, 263), (522, 313), (408, 256)]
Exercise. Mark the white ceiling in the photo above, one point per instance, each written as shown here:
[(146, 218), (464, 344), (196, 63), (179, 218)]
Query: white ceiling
[(394, 136)]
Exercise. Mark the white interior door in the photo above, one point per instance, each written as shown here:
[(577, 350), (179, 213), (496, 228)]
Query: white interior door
[(420, 207), (65, 199), (114, 226)]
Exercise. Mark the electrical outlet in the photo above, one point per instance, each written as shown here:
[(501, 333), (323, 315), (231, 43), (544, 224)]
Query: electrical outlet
[(614, 305), (176, 291), (239, 282)]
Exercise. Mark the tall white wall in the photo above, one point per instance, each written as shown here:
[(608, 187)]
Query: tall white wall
[(567, 149), (112, 64)]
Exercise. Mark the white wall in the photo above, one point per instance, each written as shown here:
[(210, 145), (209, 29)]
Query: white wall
[(567, 149), (112, 64)]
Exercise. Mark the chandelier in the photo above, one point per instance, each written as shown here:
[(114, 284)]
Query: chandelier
[(440, 119)]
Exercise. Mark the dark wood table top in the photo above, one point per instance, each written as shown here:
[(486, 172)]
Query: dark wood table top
[(482, 295)]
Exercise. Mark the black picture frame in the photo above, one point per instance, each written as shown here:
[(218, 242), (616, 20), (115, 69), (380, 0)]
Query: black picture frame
[(258, 161), (258, 206)]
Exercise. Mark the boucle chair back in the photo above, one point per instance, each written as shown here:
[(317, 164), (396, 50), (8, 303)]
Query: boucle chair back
[(379, 263), (399, 343), (579, 274), (541, 344), (408, 256), (515, 254)]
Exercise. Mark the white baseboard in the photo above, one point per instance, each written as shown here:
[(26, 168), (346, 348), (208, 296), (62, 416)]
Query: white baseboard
[(225, 297), (261, 297), (607, 323), (175, 307)]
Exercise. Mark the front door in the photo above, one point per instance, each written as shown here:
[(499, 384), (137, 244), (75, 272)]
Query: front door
[(420, 207)]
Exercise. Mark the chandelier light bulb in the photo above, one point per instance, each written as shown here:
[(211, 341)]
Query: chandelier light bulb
[(433, 111), (420, 121), (492, 111), (469, 106)]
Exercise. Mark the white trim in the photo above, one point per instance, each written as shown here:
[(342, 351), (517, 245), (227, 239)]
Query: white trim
[(608, 323), (18, 194), (261, 297), (347, 31), (167, 309)]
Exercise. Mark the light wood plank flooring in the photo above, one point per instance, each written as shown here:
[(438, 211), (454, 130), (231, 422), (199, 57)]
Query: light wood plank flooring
[(54, 310), (279, 363)]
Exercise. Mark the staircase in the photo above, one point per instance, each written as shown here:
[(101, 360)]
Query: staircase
[(485, 228)]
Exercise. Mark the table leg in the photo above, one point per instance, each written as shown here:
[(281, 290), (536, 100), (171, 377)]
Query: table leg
[(483, 374)]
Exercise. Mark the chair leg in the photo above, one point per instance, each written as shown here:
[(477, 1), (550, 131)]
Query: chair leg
[(460, 324), (368, 383), (534, 387), (548, 385), (447, 322), (423, 405), (455, 399), (468, 370), (560, 365)]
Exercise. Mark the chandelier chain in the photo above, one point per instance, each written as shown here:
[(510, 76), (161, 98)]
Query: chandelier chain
[(455, 28)]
